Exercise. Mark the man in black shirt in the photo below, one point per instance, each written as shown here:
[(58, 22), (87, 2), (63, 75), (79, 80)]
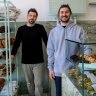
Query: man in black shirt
[(31, 35)]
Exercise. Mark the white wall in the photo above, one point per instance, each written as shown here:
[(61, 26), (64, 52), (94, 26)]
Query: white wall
[(24, 5), (42, 8), (91, 12)]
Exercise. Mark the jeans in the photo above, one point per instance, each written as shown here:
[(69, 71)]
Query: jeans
[(58, 85), (33, 76)]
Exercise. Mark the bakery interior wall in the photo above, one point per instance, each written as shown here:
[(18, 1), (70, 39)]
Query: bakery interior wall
[(88, 21), (42, 7)]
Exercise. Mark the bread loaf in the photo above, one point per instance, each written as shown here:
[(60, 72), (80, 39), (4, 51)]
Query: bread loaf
[(2, 82), (1, 46), (91, 59), (2, 66), (3, 43)]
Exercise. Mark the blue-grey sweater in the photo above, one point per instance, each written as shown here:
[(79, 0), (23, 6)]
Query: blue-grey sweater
[(60, 50)]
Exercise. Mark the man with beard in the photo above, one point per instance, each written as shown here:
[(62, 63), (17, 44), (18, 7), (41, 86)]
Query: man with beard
[(31, 36), (59, 49)]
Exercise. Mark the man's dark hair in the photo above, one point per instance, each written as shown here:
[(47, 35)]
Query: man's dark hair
[(64, 6), (33, 10)]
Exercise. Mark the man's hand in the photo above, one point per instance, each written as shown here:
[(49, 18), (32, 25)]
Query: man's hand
[(51, 75)]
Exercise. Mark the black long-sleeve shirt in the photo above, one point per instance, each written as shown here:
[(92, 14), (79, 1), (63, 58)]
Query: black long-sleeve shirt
[(31, 39)]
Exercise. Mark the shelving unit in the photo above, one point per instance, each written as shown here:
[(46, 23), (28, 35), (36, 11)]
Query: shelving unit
[(10, 86)]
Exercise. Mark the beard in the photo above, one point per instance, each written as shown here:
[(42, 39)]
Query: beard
[(31, 21), (65, 19)]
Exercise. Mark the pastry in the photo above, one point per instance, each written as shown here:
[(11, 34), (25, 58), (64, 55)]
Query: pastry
[(2, 66), (91, 90), (3, 43), (2, 81), (75, 58), (91, 59)]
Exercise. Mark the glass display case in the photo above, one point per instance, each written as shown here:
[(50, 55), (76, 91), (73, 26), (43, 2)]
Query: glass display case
[(80, 78), (8, 82)]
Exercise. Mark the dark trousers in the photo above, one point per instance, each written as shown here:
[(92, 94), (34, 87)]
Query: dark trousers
[(58, 85)]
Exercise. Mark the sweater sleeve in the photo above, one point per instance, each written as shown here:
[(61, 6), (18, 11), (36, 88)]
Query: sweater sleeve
[(44, 35), (16, 42)]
